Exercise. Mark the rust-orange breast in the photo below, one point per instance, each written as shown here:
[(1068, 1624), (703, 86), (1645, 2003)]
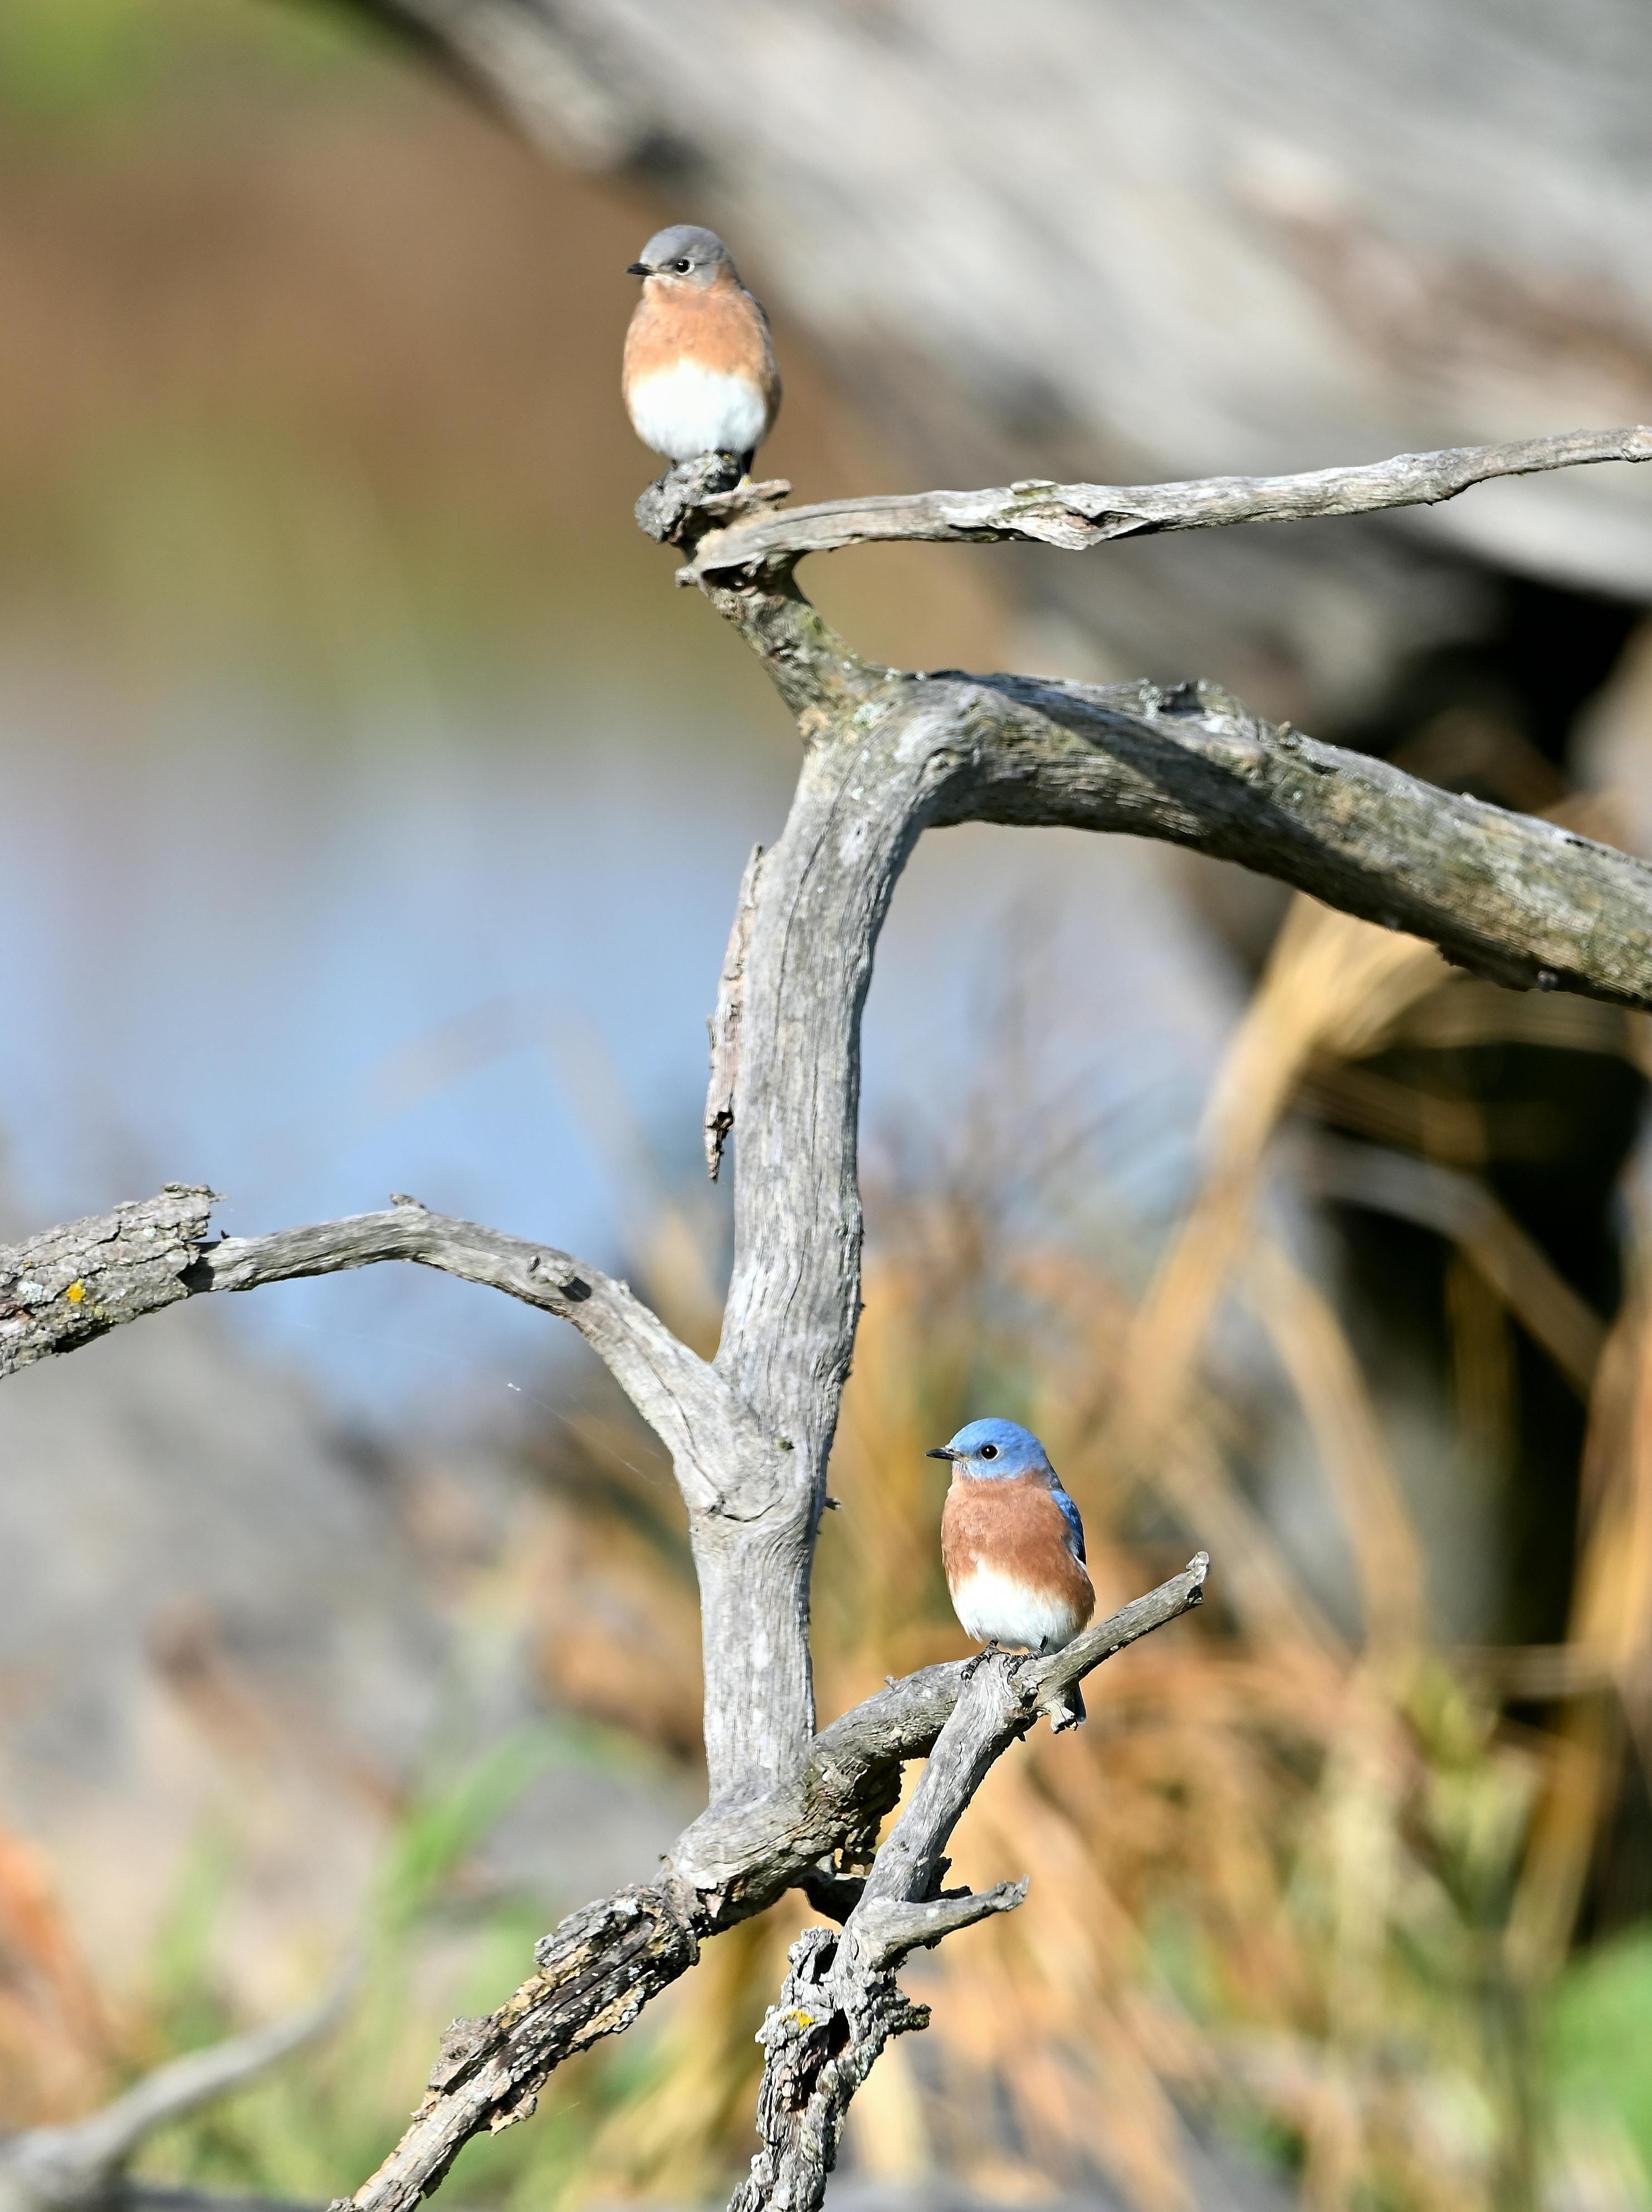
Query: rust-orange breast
[(1013, 1529), (721, 329)]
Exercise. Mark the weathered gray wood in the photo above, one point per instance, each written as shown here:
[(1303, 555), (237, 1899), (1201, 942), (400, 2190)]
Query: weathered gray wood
[(723, 1463), (60, 1290), (1040, 333), (1521, 901), (70, 1285), (724, 1023), (840, 2005), (886, 755), (604, 1963), (599, 1969), (1075, 517), (1037, 334)]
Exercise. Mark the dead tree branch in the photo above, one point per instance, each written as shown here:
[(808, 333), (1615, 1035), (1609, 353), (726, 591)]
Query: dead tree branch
[(885, 756), (840, 2003), (70, 1285), (1518, 901), (605, 1963), (1076, 517), (61, 1290), (724, 1023), (1522, 902), (721, 1465), (1278, 262)]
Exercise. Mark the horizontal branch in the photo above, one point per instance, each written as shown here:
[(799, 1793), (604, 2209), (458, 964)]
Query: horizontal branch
[(747, 1853), (1520, 901), (1075, 517), (70, 1285), (604, 1963)]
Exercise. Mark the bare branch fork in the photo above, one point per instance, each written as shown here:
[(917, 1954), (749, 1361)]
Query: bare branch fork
[(886, 755)]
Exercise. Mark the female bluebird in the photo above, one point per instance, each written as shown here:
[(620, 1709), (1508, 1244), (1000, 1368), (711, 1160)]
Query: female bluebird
[(699, 375), (1012, 1545)]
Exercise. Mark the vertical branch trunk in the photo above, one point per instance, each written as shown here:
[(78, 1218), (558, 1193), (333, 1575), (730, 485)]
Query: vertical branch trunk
[(794, 1299), (796, 1290)]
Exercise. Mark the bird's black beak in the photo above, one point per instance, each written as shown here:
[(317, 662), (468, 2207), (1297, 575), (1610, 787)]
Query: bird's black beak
[(638, 269), (942, 1451)]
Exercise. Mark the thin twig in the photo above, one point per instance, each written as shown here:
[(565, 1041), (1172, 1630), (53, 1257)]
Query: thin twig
[(72, 1284), (1078, 516)]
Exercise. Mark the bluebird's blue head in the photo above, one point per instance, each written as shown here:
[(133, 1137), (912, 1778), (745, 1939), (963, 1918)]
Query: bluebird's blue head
[(989, 1451)]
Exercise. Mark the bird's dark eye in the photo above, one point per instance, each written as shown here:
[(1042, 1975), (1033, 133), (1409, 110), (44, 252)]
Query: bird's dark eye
[(989, 1451), (682, 267)]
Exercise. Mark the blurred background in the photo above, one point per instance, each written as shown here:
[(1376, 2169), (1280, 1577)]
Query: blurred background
[(372, 810)]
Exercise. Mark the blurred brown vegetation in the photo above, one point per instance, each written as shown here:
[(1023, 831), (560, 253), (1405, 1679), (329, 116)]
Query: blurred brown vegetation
[(281, 313), (1313, 1874), (1316, 1875), (1325, 1868)]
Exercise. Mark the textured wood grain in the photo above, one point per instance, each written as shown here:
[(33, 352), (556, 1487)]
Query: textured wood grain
[(1074, 518), (599, 1969), (61, 1289), (723, 1023), (1307, 260), (70, 1285), (885, 756)]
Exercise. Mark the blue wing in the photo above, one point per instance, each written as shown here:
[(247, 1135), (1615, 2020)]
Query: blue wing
[(1075, 1523)]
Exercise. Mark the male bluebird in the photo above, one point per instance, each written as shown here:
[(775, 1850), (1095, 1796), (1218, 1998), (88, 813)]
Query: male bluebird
[(1012, 1545), (699, 375)]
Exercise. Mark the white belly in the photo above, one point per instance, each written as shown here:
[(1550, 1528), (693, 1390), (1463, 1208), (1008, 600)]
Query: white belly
[(994, 1609), (687, 410)]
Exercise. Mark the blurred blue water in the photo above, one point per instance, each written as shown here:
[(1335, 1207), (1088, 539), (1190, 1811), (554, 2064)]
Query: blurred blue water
[(452, 952)]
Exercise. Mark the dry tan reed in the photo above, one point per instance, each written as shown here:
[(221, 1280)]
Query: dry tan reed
[(1298, 1870)]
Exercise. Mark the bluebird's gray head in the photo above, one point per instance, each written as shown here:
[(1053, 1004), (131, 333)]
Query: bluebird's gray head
[(685, 254), (990, 1450)]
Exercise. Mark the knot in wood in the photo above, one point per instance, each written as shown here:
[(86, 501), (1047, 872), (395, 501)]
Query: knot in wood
[(461, 2040), (669, 510)]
